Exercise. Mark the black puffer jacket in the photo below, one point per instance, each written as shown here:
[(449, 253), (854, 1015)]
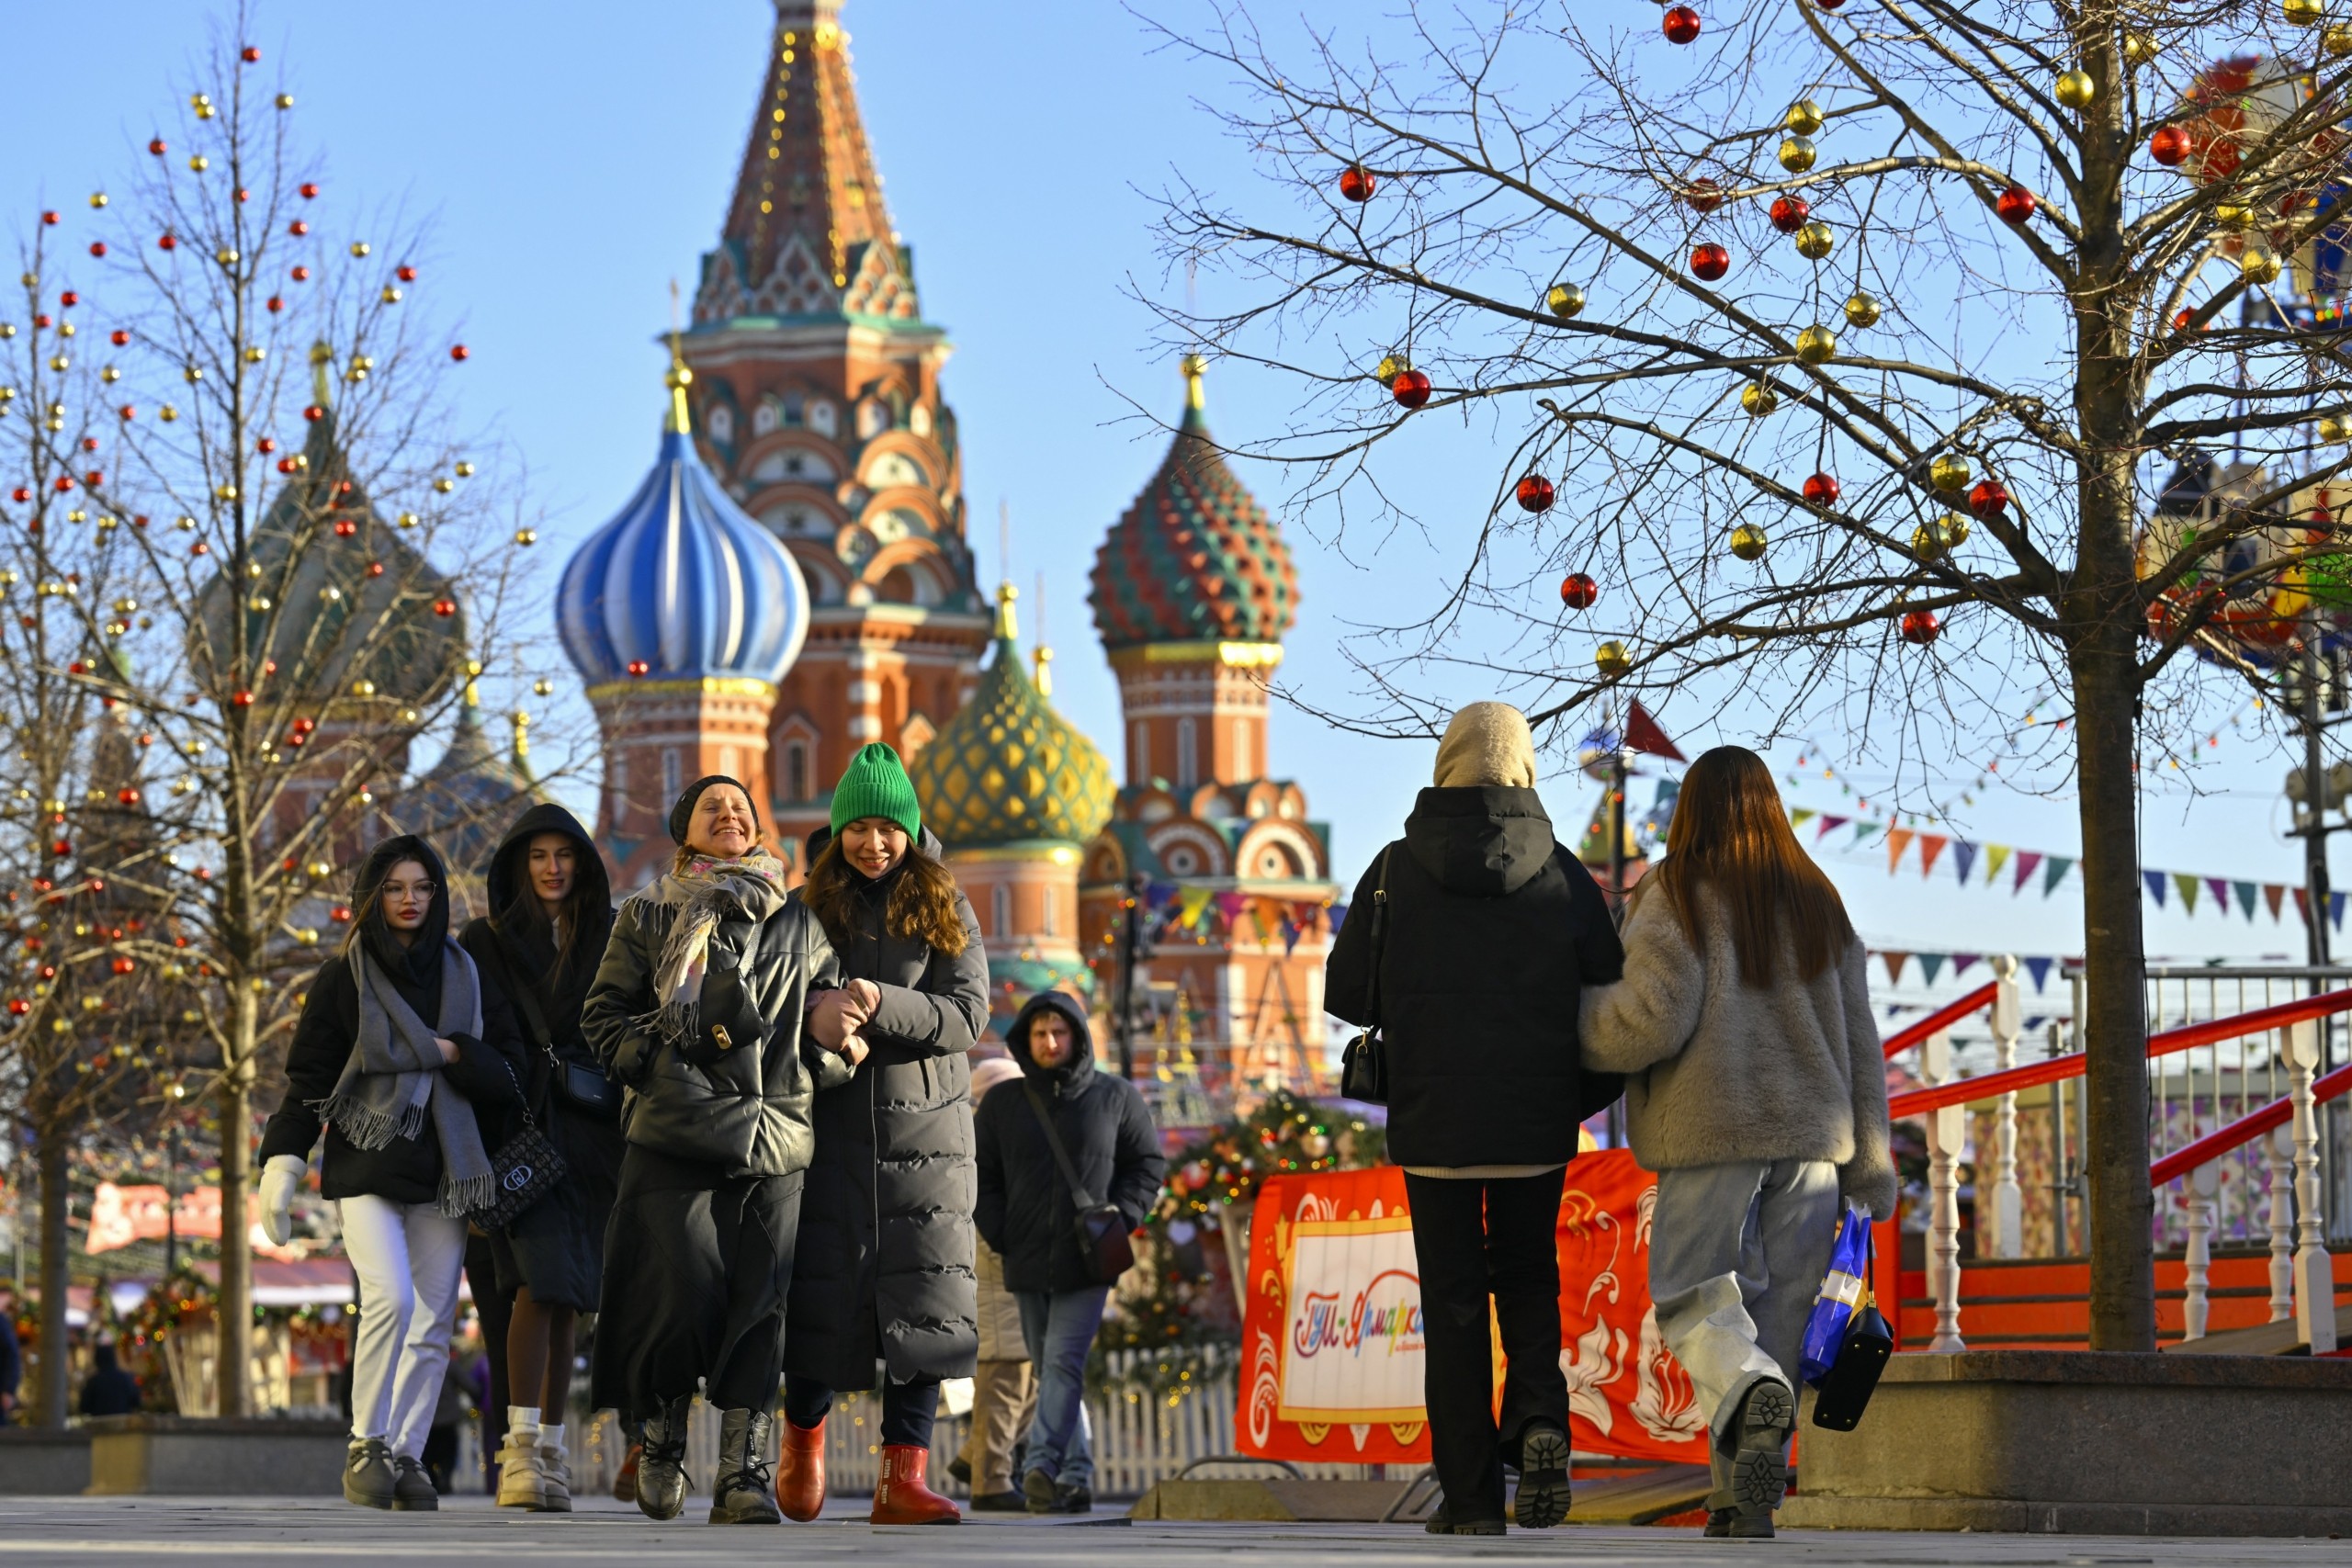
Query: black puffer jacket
[(1493, 931), (883, 1269), (748, 1115), (406, 1170), (1026, 1211)]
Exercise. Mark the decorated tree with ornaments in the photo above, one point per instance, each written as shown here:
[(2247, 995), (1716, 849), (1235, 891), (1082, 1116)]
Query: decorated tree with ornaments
[(302, 575), (1860, 360)]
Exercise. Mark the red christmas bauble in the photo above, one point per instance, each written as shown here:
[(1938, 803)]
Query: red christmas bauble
[(20, 494), (266, 445), (345, 487), (298, 228), (1921, 627), (1989, 499), (274, 303), (315, 412), (286, 465), (1578, 592), (1790, 212), (1411, 388), (1829, 5), (1704, 195), (130, 410), (445, 607), (406, 274), (1356, 182), (64, 483), (310, 188), (461, 353), (250, 54), (124, 965), (68, 299), (165, 242), (2181, 318), (41, 321), (300, 273), (1823, 490), (119, 337), (1681, 25), (49, 217), (1535, 494), (94, 478), (2015, 205), (2171, 146), (345, 527), (375, 568), (244, 195), (157, 147), (240, 699), (638, 667), (98, 247), (1710, 261), (18, 1006)]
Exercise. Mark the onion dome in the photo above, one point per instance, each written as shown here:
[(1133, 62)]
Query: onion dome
[(1196, 558), (682, 584), (1007, 769), (362, 611)]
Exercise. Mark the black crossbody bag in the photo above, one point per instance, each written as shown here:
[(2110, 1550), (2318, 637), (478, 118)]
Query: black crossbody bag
[(1103, 1239), (580, 1088), (1364, 1066), (526, 1168)]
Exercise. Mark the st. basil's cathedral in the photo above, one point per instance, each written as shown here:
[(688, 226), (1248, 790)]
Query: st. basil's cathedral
[(794, 579)]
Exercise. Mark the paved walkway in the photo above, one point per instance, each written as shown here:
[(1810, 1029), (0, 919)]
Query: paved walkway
[(176, 1531)]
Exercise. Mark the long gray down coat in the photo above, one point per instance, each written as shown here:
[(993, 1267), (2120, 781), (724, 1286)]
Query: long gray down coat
[(882, 1282)]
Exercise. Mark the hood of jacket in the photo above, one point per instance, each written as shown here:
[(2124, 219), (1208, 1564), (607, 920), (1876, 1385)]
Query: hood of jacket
[(1054, 1080), (1480, 840), (508, 876), (420, 961), (523, 928)]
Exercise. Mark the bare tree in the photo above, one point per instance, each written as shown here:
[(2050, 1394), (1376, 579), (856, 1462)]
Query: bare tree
[(1834, 357), (320, 573)]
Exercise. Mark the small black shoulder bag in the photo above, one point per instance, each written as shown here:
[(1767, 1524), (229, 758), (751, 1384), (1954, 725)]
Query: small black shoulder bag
[(1363, 1067), (580, 1088), (1103, 1239)]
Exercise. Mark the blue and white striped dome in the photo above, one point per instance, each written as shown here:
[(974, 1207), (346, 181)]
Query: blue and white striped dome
[(684, 582)]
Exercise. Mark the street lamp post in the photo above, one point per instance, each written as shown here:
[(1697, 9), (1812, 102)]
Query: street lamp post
[(1130, 957)]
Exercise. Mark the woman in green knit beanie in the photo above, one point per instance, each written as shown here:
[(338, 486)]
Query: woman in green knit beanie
[(885, 1233)]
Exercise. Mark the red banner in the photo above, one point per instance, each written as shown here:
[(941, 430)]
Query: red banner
[(1331, 1341)]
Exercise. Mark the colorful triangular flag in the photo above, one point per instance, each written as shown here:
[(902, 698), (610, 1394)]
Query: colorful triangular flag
[(1898, 840), (2303, 904), (2188, 885), (1930, 846), (1932, 964), (2040, 969), (1996, 856), (2059, 866), (2220, 888), (1830, 824), (1801, 816), (2274, 893), (2335, 902), (2155, 881), (2244, 890), (2027, 861), (1864, 831), (1964, 858), (1962, 962), (1894, 961)]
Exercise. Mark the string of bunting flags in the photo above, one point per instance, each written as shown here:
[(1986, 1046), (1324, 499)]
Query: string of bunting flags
[(1171, 908)]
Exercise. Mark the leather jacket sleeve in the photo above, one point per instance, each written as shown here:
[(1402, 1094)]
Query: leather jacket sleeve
[(621, 993)]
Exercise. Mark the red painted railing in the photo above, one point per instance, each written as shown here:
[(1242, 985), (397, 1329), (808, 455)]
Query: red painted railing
[(2245, 1129), (1942, 1018), (2163, 1043)]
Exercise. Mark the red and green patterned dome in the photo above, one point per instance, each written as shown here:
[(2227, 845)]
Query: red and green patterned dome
[(1196, 558)]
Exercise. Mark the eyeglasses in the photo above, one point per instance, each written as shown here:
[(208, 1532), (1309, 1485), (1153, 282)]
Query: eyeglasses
[(405, 890)]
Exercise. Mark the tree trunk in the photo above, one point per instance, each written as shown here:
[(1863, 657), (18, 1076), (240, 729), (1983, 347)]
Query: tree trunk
[(56, 1205), (2115, 1029), (236, 1316)]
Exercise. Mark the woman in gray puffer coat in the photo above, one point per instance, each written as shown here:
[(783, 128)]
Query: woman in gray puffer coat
[(882, 1285), (1757, 1091)]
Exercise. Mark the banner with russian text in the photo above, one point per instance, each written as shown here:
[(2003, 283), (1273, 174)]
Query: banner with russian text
[(1331, 1337)]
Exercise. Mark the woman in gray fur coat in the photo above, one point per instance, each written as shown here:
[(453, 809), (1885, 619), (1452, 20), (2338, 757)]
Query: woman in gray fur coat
[(1757, 1091)]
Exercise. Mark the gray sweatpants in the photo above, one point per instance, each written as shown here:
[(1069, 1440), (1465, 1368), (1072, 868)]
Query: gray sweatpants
[(1736, 1255)]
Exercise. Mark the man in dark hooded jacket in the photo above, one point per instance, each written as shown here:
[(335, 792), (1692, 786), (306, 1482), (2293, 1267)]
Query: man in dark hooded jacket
[(1029, 1214), (1492, 928)]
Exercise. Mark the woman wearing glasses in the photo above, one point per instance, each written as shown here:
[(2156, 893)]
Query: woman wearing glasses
[(388, 1059)]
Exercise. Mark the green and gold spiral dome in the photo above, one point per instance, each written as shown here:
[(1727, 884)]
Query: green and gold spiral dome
[(1007, 769)]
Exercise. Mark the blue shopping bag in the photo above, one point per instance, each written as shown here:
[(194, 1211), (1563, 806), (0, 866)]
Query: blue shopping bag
[(1841, 1291)]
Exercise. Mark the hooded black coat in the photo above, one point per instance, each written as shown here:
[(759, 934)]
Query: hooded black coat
[(1026, 1211), (406, 1170), (1493, 930), (883, 1275), (557, 1246)]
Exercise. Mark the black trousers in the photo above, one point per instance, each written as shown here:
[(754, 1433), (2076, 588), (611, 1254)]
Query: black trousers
[(908, 1408), (697, 1267), (495, 1307), (1477, 1238)]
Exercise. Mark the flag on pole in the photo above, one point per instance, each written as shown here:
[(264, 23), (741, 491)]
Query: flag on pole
[(1641, 734)]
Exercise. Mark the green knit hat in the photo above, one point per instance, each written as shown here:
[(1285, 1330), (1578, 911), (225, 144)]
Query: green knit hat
[(877, 785)]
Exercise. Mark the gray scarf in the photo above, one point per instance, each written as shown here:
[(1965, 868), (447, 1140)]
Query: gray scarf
[(706, 891), (393, 1081)]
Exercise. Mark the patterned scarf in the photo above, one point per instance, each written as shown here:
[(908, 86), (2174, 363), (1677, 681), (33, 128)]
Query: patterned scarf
[(706, 891), (392, 1082)]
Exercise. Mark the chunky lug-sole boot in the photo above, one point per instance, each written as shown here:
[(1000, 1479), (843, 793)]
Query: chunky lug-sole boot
[(902, 1498), (1543, 1499), (367, 1474), (1759, 1470), (743, 1493), (412, 1490), (800, 1472), (522, 1483), (662, 1467)]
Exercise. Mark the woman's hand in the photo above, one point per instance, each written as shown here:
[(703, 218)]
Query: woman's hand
[(448, 1050), (868, 995), (834, 1017)]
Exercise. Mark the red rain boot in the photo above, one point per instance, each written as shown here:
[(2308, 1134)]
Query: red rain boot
[(902, 1498), (800, 1471)]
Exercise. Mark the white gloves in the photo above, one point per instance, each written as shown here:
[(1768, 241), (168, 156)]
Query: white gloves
[(279, 1180)]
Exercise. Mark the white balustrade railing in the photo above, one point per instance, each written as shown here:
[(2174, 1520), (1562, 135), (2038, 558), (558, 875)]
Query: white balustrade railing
[(2006, 1230), (1947, 1126), (2314, 1272)]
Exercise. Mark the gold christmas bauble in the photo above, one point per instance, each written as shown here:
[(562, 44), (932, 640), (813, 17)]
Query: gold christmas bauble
[(543, 687), (1391, 367), (1747, 542), (1796, 154), (194, 374), (2259, 267), (1759, 400), (391, 296), (358, 247), (444, 486), (1927, 542), (257, 603), (97, 198), (2302, 13), (1862, 310), (1612, 660), (1565, 300), (363, 688), (167, 414), (1804, 119), (1949, 472), (526, 535), (1816, 240), (1816, 346), (2335, 429), (2234, 217), (464, 470), (1955, 528), (198, 163), (2139, 48), (255, 354), (407, 519), (2337, 42), (2076, 90), (286, 100), (225, 493)]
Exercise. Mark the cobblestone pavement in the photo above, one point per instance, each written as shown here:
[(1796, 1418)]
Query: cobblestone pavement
[(258, 1530)]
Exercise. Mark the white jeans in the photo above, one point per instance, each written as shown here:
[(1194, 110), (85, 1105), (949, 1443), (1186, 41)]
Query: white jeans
[(1736, 1255), (408, 1258)]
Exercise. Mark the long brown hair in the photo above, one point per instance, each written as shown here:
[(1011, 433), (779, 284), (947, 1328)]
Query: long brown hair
[(1731, 833), (923, 903)]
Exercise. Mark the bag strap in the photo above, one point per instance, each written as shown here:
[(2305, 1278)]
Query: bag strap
[(525, 998), (1379, 937), (1061, 1154)]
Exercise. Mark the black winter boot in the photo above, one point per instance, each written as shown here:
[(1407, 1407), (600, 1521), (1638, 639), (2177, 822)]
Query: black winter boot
[(1759, 1470), (662, 1469), (1543, 1499), (743, 1491)]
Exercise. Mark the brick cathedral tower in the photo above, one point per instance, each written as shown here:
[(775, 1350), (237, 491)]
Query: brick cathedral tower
[(817, 400)]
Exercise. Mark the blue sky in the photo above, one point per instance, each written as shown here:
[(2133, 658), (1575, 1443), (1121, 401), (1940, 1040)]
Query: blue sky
[(578, 157)]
